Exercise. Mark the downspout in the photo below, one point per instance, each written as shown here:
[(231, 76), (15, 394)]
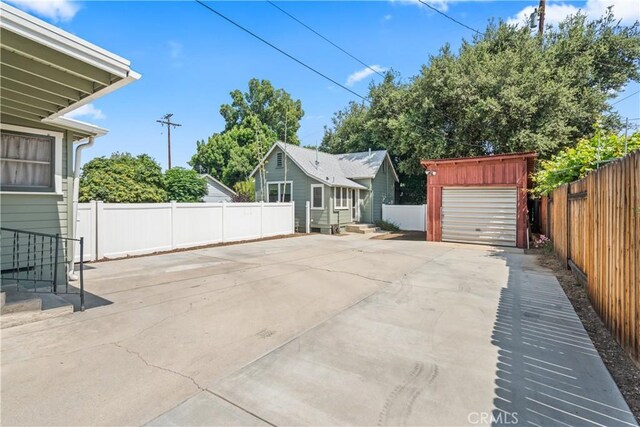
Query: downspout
[(76, 194)]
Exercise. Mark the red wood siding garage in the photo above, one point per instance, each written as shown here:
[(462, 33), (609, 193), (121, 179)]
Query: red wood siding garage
[(508, 171)]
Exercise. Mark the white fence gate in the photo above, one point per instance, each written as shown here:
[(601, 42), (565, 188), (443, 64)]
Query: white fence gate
[(113, 230), (407, 217)]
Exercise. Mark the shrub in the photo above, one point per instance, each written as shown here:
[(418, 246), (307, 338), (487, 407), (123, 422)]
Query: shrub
[(387, 225)]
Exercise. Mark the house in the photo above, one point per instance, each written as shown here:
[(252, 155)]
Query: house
[(480, 200), (46, 73), (341, 188), (217, 191)]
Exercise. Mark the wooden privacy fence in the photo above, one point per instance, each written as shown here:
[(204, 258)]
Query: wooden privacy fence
[(595, 229)]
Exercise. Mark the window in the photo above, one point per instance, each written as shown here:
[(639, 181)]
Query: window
[(279, 160), (273, 192), (341, 198), (279, 192), (317, 196), (27, 162)]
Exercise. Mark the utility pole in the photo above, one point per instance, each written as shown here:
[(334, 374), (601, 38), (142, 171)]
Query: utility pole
[(285, 158), (541, 12), (166, 120)]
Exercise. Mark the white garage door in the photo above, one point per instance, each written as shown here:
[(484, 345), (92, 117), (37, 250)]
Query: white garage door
[(483, 215)]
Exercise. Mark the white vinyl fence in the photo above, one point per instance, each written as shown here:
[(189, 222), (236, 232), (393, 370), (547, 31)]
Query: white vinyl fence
[(113, 230), (407, 217)]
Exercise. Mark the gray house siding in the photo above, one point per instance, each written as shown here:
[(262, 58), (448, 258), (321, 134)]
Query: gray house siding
[(383, 187), (365, 201), (42, 213), (380, 189), (216, 193), (300, 186)]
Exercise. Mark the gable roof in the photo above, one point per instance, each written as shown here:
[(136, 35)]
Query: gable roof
[(212, 179), (335, 170)]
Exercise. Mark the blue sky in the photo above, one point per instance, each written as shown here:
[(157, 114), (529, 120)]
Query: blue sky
[(190, 59)]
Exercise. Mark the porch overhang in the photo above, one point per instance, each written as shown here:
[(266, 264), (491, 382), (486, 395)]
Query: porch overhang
[(46, 72)]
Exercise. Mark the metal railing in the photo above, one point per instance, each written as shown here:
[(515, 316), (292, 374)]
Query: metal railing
[(36, 262)]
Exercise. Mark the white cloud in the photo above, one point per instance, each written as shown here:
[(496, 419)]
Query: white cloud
[(387, 17), (87, 110), (626, 10), (363, 74), (56, 10)]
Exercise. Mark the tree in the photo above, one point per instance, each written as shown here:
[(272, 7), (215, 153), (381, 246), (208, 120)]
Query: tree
[(184, 185), (230, 156), (505, 91), (575, 162), (269, 105), (245, 191), (122, 178)]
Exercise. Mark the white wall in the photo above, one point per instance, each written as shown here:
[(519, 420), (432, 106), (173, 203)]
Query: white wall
[(113, 230), (407, 217)]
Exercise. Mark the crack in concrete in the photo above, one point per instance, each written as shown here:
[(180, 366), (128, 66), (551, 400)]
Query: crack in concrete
[(162, 368)]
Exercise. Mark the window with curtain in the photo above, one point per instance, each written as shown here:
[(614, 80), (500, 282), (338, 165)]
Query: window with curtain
[(26, 162)]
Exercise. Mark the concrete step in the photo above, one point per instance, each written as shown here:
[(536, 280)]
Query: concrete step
[(361, 228), (20, 309), (20, 301)]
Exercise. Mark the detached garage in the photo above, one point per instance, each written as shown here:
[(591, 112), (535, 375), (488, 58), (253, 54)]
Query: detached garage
[(481, 200)]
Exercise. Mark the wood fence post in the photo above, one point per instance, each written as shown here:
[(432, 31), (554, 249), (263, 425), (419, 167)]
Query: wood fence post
[(568, 245)]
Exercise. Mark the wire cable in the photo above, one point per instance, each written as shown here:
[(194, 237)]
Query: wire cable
[(324, 38), (451, 18), (626, 97), (293, 58)]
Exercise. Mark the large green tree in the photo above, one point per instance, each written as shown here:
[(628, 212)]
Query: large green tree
[(122, 178), (184, 185), (255, 120), (273, 107), (506, 90)]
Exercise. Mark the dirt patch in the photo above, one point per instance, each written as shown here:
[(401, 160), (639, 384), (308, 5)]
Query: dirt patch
[(401, 235), (625, 373)]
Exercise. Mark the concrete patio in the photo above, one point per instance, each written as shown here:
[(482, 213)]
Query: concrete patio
[(315, 330)]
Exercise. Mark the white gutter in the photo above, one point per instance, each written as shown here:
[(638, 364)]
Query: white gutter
[(76, 196)]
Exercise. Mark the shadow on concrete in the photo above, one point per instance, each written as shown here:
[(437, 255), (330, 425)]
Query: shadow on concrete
[(548, 371), (90, 300), (402, 235)]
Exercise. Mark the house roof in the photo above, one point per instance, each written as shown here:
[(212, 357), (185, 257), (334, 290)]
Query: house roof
[(212, 179), (335, 170), (48, 72)]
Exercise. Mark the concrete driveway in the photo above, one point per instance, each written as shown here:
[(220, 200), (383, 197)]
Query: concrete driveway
[(314, 330)]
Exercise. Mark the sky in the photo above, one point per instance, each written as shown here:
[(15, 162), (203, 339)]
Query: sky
[(190, 59)]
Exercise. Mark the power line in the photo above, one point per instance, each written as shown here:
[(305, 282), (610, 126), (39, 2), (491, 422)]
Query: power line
[(626, 97), (451, 18), (281, 51), (323, 37)]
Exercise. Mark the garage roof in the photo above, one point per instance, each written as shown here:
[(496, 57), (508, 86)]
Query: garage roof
[(46, 72)]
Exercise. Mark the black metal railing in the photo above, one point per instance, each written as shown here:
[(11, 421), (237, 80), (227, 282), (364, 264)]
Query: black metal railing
[(36, 262)]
